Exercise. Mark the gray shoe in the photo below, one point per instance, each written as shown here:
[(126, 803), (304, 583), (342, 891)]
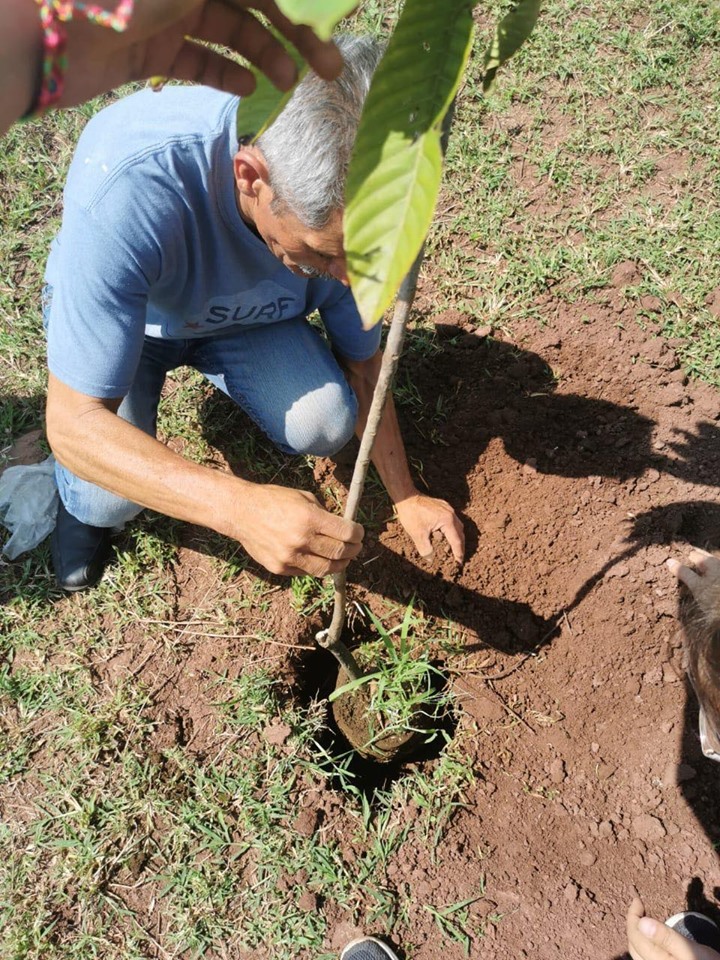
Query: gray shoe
[(696, 927), (368, 948)]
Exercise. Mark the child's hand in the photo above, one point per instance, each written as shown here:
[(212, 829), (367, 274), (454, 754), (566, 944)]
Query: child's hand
[(650, 940), (703, 581)]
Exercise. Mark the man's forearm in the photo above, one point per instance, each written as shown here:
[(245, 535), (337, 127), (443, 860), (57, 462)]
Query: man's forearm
[(287, 531), (388, 453), (98, 446)]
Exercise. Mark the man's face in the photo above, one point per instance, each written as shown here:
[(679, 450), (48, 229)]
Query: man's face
[(305, 252)]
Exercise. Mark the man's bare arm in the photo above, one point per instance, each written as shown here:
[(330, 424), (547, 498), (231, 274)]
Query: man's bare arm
[(285, 530), (421, 515)]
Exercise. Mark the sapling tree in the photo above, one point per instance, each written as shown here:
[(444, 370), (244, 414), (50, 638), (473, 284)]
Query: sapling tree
[(399, 703), (394, 175)]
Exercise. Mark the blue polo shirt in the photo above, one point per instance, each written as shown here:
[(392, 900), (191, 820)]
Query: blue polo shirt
[(152, 243)]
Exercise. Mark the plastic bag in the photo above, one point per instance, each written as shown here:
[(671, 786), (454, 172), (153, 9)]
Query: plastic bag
[(28, 505)]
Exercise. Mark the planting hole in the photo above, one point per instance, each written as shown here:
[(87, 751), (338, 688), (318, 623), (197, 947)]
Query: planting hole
[(350, 768)]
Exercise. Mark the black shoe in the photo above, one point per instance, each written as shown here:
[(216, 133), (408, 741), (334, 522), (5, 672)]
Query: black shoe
[(79, 552)]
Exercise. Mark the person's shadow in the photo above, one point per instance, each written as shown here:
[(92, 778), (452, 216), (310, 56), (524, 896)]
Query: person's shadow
[(455, 393), (507, 392)]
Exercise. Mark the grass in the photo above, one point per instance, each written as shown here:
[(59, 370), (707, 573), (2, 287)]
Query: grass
[(212, 839), (453, 921), (309, 594), (154, 758), (402, 689), (595, 149)]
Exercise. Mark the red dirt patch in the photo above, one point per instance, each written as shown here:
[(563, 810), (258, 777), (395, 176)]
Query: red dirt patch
[(580, 459)]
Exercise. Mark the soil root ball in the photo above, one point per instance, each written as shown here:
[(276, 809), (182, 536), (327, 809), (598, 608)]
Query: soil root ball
[(364, 733)]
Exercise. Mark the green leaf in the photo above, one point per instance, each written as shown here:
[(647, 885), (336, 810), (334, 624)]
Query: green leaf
[(510, 34), (396, 166), (321, 15), (384, 635), (353, 685), (256, 112)]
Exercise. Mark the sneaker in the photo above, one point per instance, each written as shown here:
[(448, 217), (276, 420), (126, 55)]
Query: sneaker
[(696, 927), (368, 948), (79, 552)]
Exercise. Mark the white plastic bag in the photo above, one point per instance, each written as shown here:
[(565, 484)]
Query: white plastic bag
[(28, 505)]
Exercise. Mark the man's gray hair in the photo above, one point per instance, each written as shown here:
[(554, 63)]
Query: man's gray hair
[(307, 149)]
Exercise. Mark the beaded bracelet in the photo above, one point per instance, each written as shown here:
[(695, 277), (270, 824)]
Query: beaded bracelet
[(54, 14)]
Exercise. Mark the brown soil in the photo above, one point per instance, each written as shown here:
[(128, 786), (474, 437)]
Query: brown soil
[(580, 458)]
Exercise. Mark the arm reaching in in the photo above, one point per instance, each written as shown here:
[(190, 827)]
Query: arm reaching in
[(287, 531), (420, 515), (160, 40), (651, 940)]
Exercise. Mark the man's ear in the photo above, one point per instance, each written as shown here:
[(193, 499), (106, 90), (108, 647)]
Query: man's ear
[(250, 170)]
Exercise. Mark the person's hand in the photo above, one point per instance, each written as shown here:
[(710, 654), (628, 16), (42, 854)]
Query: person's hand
[(421, 516), (650, 940), (702, 578), (155, 43), (291, 534)]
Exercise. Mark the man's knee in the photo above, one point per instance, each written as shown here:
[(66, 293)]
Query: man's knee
[(322, 422)]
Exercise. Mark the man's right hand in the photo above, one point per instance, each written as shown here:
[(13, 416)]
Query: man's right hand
[(291, 534)]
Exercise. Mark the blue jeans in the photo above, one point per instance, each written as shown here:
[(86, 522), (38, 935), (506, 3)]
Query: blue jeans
[(283, 376)]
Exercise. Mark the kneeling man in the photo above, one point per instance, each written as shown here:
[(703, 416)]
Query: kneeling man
[(180, 246)]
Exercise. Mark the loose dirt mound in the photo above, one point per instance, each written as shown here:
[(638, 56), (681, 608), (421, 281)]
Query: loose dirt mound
[(581, 459)]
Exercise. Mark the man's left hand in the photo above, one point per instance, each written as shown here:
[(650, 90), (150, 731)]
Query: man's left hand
[(422, 516)]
